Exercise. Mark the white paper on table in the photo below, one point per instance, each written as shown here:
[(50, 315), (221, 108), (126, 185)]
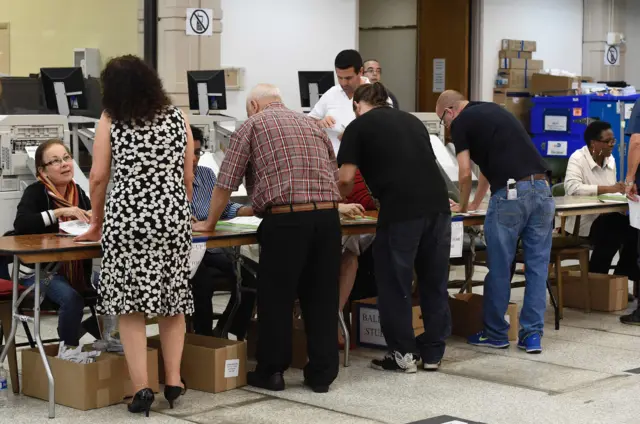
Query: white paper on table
[(76, 227), (246, 220), (197, 253), (457, 239), (634, 214)]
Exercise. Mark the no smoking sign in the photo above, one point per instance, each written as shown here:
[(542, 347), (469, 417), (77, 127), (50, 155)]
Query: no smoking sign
[(199, 22)]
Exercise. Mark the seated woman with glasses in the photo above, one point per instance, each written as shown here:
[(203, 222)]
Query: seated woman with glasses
[(591, 171), (55, 197)]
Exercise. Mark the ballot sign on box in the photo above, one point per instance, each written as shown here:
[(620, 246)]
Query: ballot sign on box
[(366, 324), (457, 239)]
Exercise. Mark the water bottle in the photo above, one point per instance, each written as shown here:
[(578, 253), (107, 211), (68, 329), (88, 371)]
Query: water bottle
[(4, 389)]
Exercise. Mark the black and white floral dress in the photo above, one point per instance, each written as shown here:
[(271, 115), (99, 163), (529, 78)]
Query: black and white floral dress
[(147, 229)]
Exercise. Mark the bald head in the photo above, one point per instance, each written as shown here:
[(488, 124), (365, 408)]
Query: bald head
[(448, 99), (449, 105), (261, 96)]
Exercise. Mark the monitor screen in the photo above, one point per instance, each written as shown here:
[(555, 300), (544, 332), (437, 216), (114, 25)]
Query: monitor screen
[(74, 87), (323, 79), (215, 90), (21, 96)]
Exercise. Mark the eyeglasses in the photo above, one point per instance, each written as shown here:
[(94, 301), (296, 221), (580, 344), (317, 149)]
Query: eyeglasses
[(58, 162), (611, 141), (198, 153), (443, 114), (374, 71)]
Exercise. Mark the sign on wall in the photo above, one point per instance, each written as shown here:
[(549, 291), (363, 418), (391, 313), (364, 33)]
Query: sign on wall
[(438, 75), (612, 56), (199, 22)]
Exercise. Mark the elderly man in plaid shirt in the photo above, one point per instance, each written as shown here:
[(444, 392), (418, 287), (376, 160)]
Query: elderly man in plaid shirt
[(291, 174)]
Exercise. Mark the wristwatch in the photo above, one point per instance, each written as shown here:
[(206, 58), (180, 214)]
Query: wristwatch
[(629, 183)]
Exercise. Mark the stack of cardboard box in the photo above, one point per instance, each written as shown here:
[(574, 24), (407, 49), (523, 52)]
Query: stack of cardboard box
[(513, 83)]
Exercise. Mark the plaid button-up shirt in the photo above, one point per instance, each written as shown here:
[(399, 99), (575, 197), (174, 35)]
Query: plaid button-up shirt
[(286, 158)]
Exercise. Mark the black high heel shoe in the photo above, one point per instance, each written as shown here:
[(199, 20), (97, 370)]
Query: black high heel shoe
[(142, 402), (171, 393)]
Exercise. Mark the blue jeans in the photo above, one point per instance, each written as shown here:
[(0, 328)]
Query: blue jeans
[(529, 218), (71, 307)]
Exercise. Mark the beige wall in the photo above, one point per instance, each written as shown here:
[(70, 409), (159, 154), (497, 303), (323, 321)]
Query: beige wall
[(45, 32)]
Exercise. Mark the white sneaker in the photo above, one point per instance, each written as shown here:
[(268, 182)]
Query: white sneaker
[(395, 361), (431, 367)]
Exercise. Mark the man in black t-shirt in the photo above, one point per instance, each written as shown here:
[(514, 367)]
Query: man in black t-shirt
[(393, 151), (496, 141)]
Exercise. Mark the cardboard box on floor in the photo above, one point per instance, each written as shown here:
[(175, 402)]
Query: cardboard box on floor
[(530, 64), (208, 364), (83, 386), (366, 323), (514, 54), (552, 85), (516, 101), (519, 45), (299, 356), (466, 315), (608, 292)]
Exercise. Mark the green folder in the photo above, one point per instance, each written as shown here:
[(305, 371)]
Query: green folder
[(613, 198)]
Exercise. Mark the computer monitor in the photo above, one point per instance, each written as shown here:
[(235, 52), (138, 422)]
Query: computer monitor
[(64, 89), (207, 91), (21, 96), (313, 84)]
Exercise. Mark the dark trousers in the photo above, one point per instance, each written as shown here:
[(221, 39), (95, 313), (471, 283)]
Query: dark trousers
[(425, 244), (299, 258), (609, 234), (213, 268)]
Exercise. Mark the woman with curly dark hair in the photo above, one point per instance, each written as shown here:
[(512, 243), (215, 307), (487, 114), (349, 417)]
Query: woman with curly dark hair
[(146, 230)]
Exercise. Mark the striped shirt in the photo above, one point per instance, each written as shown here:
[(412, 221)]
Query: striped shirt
[(203, 184), (285, 157)]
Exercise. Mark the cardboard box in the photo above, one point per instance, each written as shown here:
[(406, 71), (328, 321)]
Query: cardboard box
[(530, 64), (209, 364), (299, 356), (552, 85), (519, 45), (516, 101), (514, 54), (366, 323), (466, 315), (82, 386), (514, 78), (608, 292)]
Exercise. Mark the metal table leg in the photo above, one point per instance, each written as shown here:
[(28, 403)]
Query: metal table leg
[(36, 335), (347, 338), (14, 311), (36, 326)]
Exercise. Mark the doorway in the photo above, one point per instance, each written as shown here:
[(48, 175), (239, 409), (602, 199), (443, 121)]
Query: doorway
[(444, 46)]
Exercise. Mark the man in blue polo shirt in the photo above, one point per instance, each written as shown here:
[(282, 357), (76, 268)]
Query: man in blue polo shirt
[(216, 263), (631, 182)]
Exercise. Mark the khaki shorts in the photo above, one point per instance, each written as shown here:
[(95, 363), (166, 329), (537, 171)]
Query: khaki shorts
[(357, 244)]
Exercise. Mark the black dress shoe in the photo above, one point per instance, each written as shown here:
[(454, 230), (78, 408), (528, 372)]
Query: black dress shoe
[(317, 388), (273, 382)]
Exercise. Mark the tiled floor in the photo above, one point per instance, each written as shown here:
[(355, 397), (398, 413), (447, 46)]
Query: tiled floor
[(579, 378)]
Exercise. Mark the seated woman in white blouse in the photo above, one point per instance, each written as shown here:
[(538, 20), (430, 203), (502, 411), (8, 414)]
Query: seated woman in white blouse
[(592, 171)]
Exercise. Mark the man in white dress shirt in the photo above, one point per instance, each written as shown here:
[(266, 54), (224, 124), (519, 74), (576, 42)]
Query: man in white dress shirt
[(334, 110), (591, 171)]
